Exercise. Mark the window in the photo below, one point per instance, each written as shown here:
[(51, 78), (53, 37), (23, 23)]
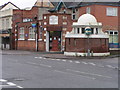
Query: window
[(111, 32), (21, 33), (88, 10), (83, 30), (73, 17), (73, 13), (115, 33), (112, 11), (3, 24), (96, 31), (7, 23), (78, 30), (64, 17), (64, 23), (31, 33), (73, 10), (92, 30), (113, 37)]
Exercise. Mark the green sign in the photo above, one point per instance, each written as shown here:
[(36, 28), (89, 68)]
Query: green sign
[(88, 31)]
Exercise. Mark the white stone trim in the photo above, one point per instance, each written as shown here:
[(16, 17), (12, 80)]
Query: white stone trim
[(85, 36), (21, 39), (44, 40), (45, 29), (39, 39), (15, 34), (85, 54), (31, 39), (44, 34), (114, 48)]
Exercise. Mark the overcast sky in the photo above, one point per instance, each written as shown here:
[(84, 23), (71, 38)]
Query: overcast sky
[(29, 3), (20, 3)]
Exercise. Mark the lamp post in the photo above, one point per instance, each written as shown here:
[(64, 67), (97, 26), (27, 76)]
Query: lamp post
[(88, 33), (36, 26)]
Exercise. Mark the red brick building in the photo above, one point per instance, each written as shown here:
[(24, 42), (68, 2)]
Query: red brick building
[(108, 14), (25, 36), (53, 24), (86, 38)]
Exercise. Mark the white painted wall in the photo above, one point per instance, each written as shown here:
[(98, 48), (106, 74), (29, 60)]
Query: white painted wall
[(9, 6), (6, 14)]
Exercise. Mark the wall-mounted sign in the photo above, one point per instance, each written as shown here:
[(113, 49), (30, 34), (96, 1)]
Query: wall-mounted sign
[(33, 25), (88, 31), (27, 20), (53, 20)]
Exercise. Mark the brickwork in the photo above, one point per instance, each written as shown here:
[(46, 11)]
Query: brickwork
[(99, 11), (81, 45)]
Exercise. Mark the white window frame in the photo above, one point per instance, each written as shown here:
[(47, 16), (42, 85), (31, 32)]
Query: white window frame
[(88, 10), (22, 33), (110, 11), (31, 33)]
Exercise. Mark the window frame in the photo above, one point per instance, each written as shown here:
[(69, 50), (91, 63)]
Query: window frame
[(31, 33), (113, 12), (22, 33)]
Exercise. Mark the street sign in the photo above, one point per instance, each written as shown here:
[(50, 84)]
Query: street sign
[(88, 31), (34, 25)]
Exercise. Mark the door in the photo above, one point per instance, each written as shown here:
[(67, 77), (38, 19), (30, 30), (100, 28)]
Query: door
[(55, 41)]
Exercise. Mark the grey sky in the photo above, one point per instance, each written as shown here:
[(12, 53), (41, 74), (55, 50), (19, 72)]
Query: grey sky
[(29, 3), (20, 3)]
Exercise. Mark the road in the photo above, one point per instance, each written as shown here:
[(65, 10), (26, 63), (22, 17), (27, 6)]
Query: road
[(35, 71)]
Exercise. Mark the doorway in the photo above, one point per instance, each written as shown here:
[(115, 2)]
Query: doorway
[(55, 40)]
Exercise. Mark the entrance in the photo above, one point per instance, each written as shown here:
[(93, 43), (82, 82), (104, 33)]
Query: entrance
[(55, 40)]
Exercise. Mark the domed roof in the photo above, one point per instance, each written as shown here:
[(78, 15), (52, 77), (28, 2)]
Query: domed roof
[(87, 19)]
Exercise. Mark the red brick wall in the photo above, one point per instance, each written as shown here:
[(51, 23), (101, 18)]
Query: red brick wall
[(95, 45), (99, 11)]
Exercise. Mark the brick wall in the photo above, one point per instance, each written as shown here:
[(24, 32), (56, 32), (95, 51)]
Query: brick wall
[(82, 45)]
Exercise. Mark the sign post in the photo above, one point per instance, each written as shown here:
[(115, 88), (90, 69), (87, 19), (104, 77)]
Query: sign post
[(88, 32)]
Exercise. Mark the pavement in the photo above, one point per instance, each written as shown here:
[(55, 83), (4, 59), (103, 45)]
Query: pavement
[(54, 55)]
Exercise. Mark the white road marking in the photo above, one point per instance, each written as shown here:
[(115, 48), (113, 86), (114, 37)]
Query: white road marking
[(40, 57), (19, 87), (84, 63), (89, 73), (74, 74), (70, 61), (77, 62), (58, 59), (53, 59), (36, 57), (11, 84), (92, 63), (45, 65), (2, 80), (110, 66), (64, 60), (31, 63), (100, 66), (44, 58)]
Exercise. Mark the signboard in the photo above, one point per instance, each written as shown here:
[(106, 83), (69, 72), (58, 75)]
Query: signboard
[(34, 25), (88, 31), (53, 20)]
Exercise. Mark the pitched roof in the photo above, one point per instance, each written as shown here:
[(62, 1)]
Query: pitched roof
[(82, 3), (7, 4)]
